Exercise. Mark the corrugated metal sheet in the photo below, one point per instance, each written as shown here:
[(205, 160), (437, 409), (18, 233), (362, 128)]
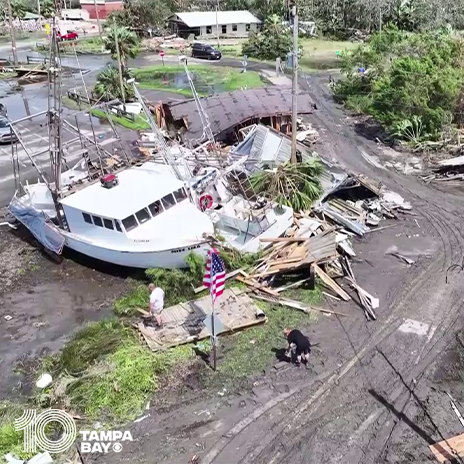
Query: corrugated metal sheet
[(208, 18)]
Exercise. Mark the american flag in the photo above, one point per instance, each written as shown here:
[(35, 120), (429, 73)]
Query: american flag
[(215, 275)]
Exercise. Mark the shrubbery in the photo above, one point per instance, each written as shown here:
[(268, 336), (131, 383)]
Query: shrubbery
[(406, 76)]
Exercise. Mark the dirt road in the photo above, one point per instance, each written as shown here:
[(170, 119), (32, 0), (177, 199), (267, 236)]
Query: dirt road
[(370, 396)]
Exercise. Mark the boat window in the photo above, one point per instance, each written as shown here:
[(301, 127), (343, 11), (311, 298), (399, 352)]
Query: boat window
[(168, 201), (143, 215), (156, 208), (129, 223), (87, 218), (108, 223), (180, 195), (97, 221), (118, 227)]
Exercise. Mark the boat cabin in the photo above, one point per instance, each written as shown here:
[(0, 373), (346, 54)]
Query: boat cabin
[(136, 197)]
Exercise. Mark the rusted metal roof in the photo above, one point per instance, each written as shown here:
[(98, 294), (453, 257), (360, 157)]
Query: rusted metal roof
[(226, 110)]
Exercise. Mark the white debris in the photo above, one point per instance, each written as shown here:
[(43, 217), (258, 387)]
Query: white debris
[(43, 458), (8, 317), (44, 381), (395, 200)]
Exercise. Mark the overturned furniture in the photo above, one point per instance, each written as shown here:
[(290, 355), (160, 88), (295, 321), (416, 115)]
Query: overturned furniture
[(184, 323)]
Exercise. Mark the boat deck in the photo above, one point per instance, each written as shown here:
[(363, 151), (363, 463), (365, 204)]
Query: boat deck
[(183, 323)]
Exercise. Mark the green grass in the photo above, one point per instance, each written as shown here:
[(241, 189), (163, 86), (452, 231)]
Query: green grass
[(208, 77), (138, 297), (105, 374), (121, 393), (243, 358), (320, 54), (138, 125), (10, 440)]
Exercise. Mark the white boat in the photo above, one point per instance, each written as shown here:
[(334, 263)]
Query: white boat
[(143, 219)]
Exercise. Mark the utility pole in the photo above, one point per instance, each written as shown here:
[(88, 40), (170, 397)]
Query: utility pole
[(12, 33), (38, 12), (121, 80), (294, 83), (98, 18), (217, 23)]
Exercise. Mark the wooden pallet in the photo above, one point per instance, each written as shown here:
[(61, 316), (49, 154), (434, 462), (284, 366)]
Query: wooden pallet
[(183, 323)]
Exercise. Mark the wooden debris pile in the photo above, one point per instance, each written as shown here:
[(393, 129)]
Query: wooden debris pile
[(312, 247)]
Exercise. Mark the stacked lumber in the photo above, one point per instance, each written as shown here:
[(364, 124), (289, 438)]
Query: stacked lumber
[(313, 246)]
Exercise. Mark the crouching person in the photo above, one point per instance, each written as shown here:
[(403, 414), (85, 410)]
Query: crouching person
[(299, 346), (156, 303)]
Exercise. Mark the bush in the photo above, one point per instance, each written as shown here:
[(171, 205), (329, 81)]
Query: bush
[(406, 75), (273, 42)]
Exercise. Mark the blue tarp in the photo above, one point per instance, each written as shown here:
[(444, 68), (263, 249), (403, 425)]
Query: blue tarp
[(39, 225)]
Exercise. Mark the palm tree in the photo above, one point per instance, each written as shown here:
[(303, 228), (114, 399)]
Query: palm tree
[(295, 185), (18, 10), (47, 8), (129, 46), (108, 86)]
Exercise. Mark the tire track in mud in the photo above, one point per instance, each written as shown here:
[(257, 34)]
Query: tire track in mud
[(268, 450)]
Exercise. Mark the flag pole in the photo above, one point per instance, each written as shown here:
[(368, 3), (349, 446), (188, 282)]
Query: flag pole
[(213, 333)]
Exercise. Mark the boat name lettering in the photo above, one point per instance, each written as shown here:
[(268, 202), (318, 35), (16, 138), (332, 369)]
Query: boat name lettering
[(180, 250)]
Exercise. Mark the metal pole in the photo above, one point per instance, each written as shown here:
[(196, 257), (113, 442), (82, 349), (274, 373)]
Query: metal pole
[(98, 18), (12, 33), (213, 334), (217, 23), (121, 80), (294, 83), (38, 12)]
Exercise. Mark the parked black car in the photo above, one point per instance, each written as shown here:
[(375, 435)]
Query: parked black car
[(200, 50)]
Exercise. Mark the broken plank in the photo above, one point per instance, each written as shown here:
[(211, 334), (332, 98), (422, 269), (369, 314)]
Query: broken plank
[(293, 285), (448, 450), (297, 305), (331, 283), (283, 239), (257, 286), (143, 312)]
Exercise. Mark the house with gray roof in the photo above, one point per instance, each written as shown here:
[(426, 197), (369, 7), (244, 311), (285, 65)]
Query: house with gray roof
[(205, 24)]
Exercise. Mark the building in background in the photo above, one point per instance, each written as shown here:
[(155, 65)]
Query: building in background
[(75, 15), (203, 23), (105, 7)]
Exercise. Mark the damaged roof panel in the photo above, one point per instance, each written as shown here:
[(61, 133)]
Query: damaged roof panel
[(227, 110)]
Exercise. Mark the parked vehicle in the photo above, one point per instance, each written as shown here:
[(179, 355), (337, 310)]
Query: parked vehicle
[(68, 36), (5, 132), (200, 50)]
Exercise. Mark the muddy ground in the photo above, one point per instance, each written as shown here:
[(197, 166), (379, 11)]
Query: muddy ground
[(374, 390), (45, 302)]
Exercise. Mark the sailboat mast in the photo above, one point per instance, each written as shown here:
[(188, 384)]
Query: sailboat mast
[(54, 109)]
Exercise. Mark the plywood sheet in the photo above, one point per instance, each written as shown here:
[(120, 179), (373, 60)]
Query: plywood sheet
[(183, 323), (449, 449)]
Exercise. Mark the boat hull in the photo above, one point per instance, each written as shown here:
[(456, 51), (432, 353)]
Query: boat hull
[(168, 259)]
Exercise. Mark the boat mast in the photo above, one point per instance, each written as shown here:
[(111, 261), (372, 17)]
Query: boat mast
[(55, 110)]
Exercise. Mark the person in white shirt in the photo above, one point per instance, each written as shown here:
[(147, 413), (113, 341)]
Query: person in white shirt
[(156, 303)]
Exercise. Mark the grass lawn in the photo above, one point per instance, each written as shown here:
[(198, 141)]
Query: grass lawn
[(207, 79), (238, 363), (138, 125), (320, 54)]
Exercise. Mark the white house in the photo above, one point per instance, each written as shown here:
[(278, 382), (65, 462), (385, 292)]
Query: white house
[(203, 23)]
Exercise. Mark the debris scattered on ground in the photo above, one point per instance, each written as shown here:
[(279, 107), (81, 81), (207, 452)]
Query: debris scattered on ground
[(405, 259), (41, 458), (160, 43), (7, 317), (44, 381), (140, 419)]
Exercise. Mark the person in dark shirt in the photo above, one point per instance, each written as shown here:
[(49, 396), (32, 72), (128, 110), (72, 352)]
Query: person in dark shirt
[(298, 345)]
